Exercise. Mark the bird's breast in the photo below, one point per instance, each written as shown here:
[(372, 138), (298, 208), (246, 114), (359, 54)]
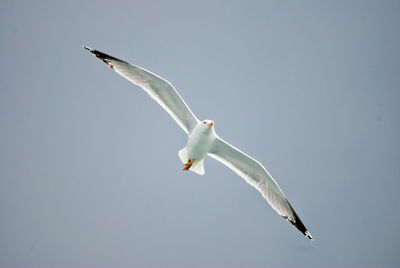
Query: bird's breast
[(199, 144)]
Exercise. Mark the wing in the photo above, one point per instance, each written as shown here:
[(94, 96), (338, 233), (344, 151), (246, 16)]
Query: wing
[(158, 88), (258, 177)]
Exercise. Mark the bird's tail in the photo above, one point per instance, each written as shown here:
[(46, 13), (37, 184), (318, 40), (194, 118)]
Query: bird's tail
[(198, 165)]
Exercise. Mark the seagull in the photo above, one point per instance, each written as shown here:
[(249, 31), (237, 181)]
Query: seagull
[(202, 139)]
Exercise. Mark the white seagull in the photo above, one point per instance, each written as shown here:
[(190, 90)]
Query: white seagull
[(202, 139)]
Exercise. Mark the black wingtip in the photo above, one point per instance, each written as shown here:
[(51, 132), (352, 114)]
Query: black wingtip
[(103, 56), (88, 48), (307, 233), (299, 224)]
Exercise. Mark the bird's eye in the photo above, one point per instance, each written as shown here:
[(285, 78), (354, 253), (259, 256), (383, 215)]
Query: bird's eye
[(204, 122)]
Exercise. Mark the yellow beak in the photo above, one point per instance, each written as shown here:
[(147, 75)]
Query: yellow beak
[(211, 124)]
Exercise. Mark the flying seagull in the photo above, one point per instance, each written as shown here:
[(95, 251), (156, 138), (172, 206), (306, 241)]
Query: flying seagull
[(202, 139)]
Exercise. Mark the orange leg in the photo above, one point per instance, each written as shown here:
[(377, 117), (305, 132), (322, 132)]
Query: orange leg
[(188, 164)]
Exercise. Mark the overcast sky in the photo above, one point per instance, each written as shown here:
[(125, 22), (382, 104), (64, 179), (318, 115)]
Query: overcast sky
[(89, 171)]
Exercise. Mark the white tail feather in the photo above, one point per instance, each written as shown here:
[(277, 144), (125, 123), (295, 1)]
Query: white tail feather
[(198, 165), (183, 155)]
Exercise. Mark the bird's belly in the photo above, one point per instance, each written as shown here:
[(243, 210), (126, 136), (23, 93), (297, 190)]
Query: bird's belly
[(198, 148)]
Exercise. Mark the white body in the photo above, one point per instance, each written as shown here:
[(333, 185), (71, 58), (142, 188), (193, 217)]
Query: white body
[(199, 143), (200, 140)]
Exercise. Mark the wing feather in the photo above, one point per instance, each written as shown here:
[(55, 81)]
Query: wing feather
[(258, 177), (157, 87)]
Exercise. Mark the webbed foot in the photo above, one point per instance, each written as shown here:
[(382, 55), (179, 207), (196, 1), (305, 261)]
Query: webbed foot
[(188, 164)]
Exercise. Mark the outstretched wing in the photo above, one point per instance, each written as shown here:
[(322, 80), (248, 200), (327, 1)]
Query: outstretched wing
[(258, 177), (157, 87)]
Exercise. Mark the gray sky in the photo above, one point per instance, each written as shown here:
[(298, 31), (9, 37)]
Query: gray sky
[(89, 172)]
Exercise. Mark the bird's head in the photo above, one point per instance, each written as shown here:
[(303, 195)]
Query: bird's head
[(207, 123), (205, 127)]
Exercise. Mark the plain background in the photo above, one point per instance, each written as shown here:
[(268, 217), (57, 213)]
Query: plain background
[(89, 172)]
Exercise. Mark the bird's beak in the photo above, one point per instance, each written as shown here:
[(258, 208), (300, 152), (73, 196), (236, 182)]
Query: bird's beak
[(211, 124)]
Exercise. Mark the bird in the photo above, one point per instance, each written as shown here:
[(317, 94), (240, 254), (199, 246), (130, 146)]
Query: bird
[(203, 140)]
